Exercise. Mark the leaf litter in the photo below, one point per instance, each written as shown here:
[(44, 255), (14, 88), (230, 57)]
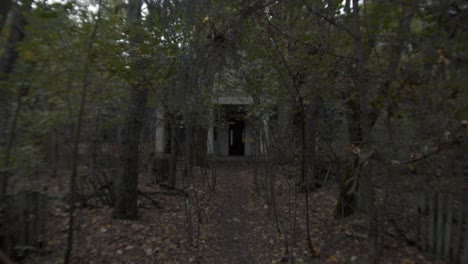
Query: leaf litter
[(232, 225)]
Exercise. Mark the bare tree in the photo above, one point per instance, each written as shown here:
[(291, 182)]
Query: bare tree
[(76, 138), (4, 9), (7, 66), (126, 186)]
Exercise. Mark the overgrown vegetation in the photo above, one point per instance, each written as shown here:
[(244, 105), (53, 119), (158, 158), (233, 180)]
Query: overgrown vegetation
[(366, 98)]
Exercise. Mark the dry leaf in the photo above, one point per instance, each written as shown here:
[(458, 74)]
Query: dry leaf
[(317, 251), (332, 259), (407, 261)]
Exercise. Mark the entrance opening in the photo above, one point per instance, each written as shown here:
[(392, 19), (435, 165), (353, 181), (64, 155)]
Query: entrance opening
[(236, 137)]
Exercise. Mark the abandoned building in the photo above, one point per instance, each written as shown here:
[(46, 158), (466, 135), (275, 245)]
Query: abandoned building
[(232, 134)]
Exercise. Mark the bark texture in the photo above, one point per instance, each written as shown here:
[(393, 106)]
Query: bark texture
[(127, 182), (4, 9), (310, 143), (173, 156), (126, 186), (18, 22), (7, 65)]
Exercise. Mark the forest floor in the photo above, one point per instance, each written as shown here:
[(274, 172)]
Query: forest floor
[(233, 224)]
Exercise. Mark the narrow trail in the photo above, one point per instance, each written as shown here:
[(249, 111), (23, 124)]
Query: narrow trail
[(234, 220)]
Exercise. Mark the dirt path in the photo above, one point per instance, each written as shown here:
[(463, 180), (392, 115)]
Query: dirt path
[(233, 219)]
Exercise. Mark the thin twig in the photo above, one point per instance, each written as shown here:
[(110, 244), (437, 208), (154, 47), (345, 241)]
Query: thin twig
[(151, 199)]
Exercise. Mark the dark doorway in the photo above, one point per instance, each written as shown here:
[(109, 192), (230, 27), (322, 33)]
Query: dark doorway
[(236, 137)]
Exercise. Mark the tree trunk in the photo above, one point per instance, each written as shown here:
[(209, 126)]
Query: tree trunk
[(5, 172), (4, 9), (357, 118), (346, 204), (76, 139), (127, 181), (365, 173), (23, 223), (201, 146), (284, 130), (173, 157), (310, 130), (188, 155), (10, 54), (7, 63), (54, 153)]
